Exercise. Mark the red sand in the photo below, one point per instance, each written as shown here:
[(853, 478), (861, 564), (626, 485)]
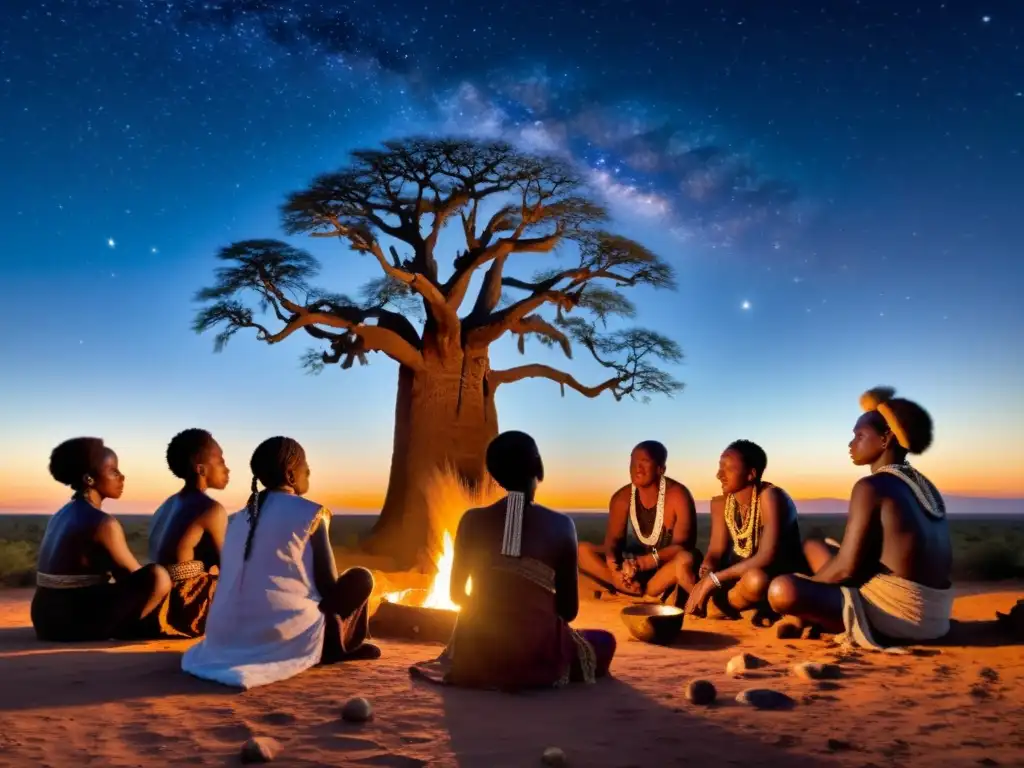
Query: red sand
[(130, 705)]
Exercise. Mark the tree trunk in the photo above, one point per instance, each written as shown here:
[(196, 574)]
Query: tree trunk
[(443, 416)]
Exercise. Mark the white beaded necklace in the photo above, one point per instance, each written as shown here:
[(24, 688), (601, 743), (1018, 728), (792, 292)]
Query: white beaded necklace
[(932, 504), (659, 517)]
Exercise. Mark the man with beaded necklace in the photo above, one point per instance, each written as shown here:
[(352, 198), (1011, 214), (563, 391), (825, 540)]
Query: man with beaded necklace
[(888, 583), (755, 535), (650, 544)]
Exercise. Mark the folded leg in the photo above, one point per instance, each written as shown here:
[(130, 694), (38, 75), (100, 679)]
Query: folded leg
[(808, 601), (346, 608)]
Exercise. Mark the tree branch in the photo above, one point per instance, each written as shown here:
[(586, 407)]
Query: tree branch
[(540, 371)]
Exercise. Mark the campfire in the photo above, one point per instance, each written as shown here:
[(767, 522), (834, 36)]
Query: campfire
[(427, 614)]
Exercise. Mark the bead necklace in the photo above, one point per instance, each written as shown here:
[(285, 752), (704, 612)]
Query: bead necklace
[(659, 516), (744, 536), (925, 492)]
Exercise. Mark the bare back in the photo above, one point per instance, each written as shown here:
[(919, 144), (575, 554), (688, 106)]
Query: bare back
[(912, 545), (547, 536), (188, 526), (72, 544)]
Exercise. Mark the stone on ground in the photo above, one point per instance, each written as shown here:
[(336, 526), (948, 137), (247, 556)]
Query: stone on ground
[(553, 756), (357, 710), (701, 692), (815, 671), (742, 663), (765, 698), (260, 749)]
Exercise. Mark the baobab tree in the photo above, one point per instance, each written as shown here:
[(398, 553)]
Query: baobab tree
[(392, 205)]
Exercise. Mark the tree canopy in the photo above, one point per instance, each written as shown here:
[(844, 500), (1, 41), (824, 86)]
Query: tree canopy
[(391, 205)]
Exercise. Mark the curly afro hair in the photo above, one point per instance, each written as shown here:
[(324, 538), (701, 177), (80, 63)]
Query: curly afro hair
[(187, 449), (73, 459)]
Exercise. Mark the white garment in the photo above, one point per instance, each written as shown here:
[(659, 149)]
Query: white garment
[(265, 622)]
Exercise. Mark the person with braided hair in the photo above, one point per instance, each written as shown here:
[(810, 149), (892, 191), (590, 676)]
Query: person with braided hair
[(89, 585), (513, 628), (281, 606), (755, 535), (889, 582), (187, 533)]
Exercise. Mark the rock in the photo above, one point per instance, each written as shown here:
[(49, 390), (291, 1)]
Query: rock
[(837, 745), (815, 671), (260, 749), (745, 662), (811, 632), (357, 710), (701, 692), (787, 630), (554, 756), (989, 674), (765, 698)]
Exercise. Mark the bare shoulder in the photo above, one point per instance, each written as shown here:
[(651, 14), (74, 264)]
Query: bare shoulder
[(717, 503), (775, 495), (620, 497), (676, 491), (107, 524)]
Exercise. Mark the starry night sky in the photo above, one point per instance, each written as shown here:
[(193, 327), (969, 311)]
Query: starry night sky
[(839, 187)]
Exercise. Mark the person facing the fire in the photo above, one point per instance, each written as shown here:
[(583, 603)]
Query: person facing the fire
[(515, 579), (281, 606), (650, 543)]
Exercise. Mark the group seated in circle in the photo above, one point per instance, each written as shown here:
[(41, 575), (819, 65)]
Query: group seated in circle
[(261, 588)]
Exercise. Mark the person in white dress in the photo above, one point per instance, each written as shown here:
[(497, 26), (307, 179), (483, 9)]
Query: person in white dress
[(281, 606)]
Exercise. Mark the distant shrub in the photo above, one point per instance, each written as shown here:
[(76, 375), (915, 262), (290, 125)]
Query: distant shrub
[(17, 563), (993, 561)]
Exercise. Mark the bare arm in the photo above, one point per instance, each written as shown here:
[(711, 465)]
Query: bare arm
[(860, 525), (325, 570), (567, 585), (215, 524), (615, 533), (110, 536), (718, 543), (461, 560), (772, 503), (680, 500)]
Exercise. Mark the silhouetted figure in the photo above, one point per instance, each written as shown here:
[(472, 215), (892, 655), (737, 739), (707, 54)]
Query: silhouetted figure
[(889, 581), (650, 543), (187, 532), (281, 607), (89, 586), (513, 629), (755, 536)]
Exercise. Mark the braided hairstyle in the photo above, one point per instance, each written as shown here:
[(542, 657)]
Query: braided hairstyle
[(270, 463)]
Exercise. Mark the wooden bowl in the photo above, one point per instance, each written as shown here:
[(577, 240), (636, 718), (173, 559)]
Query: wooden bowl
[(657, 624)]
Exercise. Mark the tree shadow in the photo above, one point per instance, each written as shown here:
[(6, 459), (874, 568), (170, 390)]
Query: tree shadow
[(590, 724)]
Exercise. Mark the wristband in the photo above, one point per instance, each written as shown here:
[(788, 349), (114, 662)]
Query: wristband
[(714, 579), (657, 559)]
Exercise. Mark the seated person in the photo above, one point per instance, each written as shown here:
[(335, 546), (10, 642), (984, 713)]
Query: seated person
[(755, 536), (281, 607), (513, 629), (89, 586), (650, 543), (187, 533), (889, 580)]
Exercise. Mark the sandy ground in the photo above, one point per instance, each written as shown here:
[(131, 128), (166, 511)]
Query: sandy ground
[(961, 703)]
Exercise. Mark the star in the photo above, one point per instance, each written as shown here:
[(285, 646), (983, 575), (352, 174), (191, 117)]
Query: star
[(745, 305), (986, 19), (153, 250), (110, 242)]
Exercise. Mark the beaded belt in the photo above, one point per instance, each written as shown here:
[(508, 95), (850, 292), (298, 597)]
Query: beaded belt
[(187, 570), (66, 581)]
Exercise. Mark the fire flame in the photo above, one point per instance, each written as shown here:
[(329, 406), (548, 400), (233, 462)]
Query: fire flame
[(439, 596), (447, 498)]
